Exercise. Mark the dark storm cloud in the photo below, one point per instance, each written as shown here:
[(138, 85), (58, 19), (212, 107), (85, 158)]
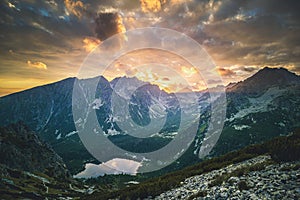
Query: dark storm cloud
[(35, 27), (228, 8), (252, 32), (107, 24)]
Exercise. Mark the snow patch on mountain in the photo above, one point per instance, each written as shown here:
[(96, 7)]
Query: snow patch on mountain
[(71, 133), (50, 115), (58, 137), (157, 111), (241, 127), (112, 132), (259, 104), (170, 135), (78, 121), (97, 103)]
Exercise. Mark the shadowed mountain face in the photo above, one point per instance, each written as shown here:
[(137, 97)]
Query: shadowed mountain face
[(265, 79), (259, 108), (21, 149)]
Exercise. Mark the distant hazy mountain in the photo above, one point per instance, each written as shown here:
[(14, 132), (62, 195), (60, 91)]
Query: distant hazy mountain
[(259, 108)]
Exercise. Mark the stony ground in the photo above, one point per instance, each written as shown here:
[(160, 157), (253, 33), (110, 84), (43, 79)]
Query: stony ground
[(268, 181)]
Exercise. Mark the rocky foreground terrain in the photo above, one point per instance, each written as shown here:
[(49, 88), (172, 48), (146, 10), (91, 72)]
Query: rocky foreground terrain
[(256, 178)]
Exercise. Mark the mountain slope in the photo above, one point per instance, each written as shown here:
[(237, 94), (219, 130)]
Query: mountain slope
[(21, 149), (261, 107), (48, 111), (263, 80), (30, 169)]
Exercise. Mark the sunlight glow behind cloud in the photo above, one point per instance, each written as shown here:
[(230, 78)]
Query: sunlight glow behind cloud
[(38, 65), (188, 71), (151, 5), (90, 43), (75, 7)]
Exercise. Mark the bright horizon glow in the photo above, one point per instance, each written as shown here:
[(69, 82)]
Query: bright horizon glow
[(32, 83)]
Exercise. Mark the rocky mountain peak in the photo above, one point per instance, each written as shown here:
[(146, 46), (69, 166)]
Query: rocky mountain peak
[(264, 79), (273, 76)]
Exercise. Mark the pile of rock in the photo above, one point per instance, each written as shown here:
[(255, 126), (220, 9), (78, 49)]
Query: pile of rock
[(275, 181)]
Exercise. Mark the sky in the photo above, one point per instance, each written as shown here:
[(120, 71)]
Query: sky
[(46, 41)]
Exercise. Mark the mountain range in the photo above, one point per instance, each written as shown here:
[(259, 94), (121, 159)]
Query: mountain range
[(259, 108)]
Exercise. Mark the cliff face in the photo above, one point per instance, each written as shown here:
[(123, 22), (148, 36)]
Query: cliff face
[(21, 149)]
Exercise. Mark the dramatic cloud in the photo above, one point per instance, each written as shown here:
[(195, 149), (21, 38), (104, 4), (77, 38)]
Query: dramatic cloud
[(90, 43), (152, 5), (75, 7), (241, 36), (108, 24), (38, 65), (225, 72)]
